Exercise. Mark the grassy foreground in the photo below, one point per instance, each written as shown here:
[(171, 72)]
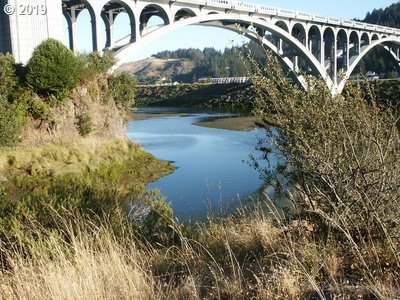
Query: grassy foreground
[(248, 256)]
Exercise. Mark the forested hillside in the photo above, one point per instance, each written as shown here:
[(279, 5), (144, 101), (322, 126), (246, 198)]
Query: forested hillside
[(389, 16), (379, 60)]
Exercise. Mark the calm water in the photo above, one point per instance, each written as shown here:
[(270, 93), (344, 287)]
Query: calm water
[(212, 170)]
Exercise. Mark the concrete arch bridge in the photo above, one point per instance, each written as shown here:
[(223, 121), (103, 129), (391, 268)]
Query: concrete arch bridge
[(306, 43)]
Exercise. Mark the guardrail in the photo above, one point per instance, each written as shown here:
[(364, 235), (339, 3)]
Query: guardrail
[(260, 9), (304, 16), (267, 10)]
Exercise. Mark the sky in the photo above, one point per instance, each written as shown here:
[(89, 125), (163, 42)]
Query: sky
[(201, 37)]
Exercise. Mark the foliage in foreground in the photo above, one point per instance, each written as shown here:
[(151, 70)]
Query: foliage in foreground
[(342, 164), (249, 256)]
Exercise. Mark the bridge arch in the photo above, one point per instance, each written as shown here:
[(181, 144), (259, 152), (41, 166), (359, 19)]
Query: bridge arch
[(314, 41), (282, 24), (228, 22), (329, 50), (374, 44), (354, 43), (299, 32), (365, 40), (149, 11), (71, 14), (109, 12), (342, 45), (183, 13)]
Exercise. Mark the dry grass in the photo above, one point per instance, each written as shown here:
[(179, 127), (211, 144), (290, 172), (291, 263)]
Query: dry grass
[(91, 266), (244, 257), (55, 159)]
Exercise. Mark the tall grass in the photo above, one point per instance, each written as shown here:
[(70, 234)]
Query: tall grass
[(245, 256), (91, 265)]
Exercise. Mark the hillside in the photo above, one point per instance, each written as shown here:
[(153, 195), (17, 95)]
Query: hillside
[(188, 65), (389, 16), (152, 70)]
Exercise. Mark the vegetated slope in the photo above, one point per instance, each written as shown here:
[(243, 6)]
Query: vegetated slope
[(90, 105), (378, 59), (389, 16), (153, 70), (189, 65)]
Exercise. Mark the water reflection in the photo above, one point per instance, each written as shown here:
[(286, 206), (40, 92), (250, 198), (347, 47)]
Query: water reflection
[(212, 169)]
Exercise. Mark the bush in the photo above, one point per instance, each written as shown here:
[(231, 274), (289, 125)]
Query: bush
[(85, 125), (94, 64), (8, 78), (342, 155), (52, 69), (12, 119), (123, 87), (102, 63)]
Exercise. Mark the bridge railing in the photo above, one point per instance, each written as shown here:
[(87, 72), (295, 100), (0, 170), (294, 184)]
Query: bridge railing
[(221, 3), (288, 13), (347, 23), (318, 18), (267, 10), (304, 16), (334, 21), (246, 6), (198, 2)]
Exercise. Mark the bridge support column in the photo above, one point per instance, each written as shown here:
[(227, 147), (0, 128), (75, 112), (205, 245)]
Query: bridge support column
[(322, 52), (335, 63), (345, 55), (96, 31), (108, 18), (295, 63), (96, 35), (71, 17)]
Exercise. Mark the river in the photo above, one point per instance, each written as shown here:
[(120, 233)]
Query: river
[(213, 174)]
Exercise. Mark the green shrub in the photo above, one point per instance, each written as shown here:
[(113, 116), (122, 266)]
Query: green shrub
[(102, 62), (159, 226), (93, 64), (12, 120), (35, 106), (123, 88), (85, 124), (8, 78), (52, 69)]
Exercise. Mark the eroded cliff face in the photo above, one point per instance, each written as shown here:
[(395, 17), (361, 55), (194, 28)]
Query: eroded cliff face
[(90, 105)]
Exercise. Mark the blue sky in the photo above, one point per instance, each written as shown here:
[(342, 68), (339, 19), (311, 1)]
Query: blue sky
[(200, 37)]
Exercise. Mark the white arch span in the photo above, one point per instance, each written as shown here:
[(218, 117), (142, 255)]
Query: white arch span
[(125, 52)]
